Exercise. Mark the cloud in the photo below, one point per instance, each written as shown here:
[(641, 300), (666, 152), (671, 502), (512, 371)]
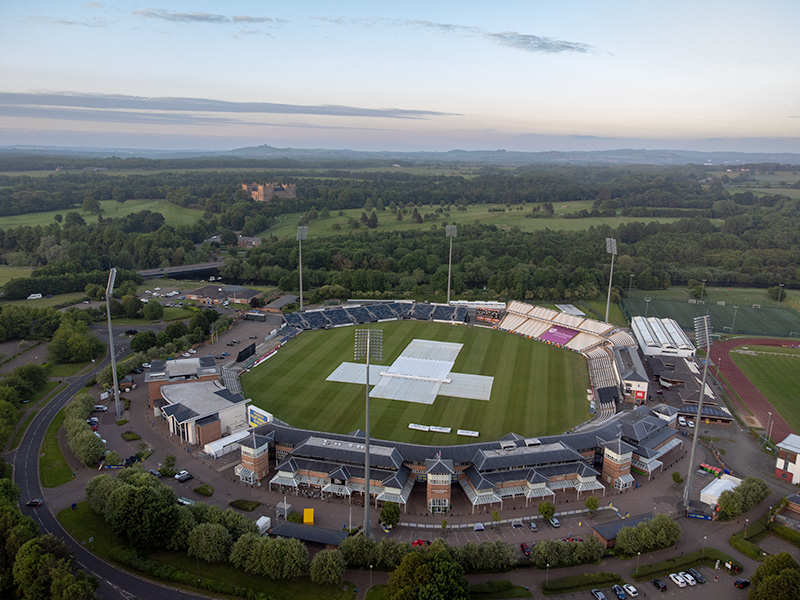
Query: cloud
[(65, 105), (519, 41), (201, 17)]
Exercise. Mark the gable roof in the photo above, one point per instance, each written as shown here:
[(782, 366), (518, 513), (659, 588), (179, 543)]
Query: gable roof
[(609, 531)]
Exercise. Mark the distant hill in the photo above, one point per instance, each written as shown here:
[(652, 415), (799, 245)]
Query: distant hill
[(472, 157)]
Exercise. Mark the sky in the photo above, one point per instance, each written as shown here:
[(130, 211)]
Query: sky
[(530, 75)]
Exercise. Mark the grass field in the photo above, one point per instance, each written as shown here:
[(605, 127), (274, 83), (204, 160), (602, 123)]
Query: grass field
[(53, 468), (777, 377), (173, 215), (8, 273), (538, 389), (286, 225)]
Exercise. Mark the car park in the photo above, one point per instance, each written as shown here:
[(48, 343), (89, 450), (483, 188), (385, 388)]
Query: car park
[(478, 527), (630, 590), (598, 595), (421, 543), (555, 522), (516, 523), (526, 550), (660, 585), (34, 502), (677, 580), (184, 478), (741, 583), (619, 592), (687, 578), (698, 577)]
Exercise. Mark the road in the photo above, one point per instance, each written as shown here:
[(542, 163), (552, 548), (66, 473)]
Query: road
[(114, 583)]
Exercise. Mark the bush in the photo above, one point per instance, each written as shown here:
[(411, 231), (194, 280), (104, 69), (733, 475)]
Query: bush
[(204, 490), (247, 505), (295, 517), (584, 581), (783, 532), (130, 436)]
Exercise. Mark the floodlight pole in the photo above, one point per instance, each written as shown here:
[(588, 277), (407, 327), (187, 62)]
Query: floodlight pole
[(302, 233), (611, 248), (450, 231), (369, 342), (112, 276), (702, 290), (702, 334), (780, 293)]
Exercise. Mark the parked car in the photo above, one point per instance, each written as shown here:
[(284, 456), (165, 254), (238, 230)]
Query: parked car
[(478, 527), (687, 578), (100, 407), (225, 353), (690, 422), (572, 539), (630, 590), (219, 357), (619, 592), (526, 550), (180, 473), (516, 523), (677, 580), (146, 365), (253, 337), (184, 478), (192, 351), (555, 522), (34, 502), (598, 595), (660, 585), (134, 459), (681, 421), (155, 473), (697, 575), (741, 583), (186, 355), (532, 525), (421, 543)]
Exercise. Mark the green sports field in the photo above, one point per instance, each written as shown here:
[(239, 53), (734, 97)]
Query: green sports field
[(538, 389), (776, 374)]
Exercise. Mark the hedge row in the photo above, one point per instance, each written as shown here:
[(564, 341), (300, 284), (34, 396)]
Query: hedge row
[(746, 547), (577, 583), (790, 535), (130, 558), (681, 563)]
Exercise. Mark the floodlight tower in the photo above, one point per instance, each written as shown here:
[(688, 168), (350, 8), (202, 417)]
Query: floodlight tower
[(302, 233), (611, 248), (112, 276), (450, 231), (702, 338), (369, 344)]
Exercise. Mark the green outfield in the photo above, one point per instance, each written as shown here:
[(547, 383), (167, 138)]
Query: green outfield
[(776, 373), (538, 389)]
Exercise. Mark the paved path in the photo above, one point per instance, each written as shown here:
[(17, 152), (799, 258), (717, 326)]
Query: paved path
[(736, 381)]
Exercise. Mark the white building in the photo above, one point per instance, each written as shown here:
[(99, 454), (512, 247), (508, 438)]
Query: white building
[(661, 337), (787, 465), (203, 411)]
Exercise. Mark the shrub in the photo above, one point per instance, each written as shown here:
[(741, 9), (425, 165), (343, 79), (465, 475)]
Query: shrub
[(247, 505), (122, 422), (204, 490), (131, 436), (295, 517), (790, 535)]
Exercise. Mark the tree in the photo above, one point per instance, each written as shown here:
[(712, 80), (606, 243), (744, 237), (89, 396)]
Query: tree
[(87, 447), (592, 503), (676, 478), (777, 578), (546, 510), (390, 514), (169, 462), (153, 311), (389, 553), (776, 293), (495, 517), (358, 551), (228, 238), (209, 542), (431, 574), (144, 340), (327, 568), (132, 306)]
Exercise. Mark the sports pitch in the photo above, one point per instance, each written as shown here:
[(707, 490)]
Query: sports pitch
[(538, 389)]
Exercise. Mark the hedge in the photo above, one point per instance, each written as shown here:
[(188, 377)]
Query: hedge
[(204, 490), (681, 563), (577, 583), (783, 532), (248, 505)]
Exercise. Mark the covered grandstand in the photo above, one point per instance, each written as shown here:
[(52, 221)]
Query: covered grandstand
[(358, 314)]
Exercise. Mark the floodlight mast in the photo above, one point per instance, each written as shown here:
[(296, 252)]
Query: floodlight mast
[(112, 276), (369, 343), (450, 231), (302, 233), (702, 336), (611, 248)]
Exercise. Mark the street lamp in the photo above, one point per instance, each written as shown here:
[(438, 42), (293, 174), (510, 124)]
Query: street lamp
[(547, 574), (112, 276), (638, 558), (780, 294), (611, 248), (646, 306), (702, 290), (302, 233), (369, 344), (746, 524), (630, 286), (733, 325), (705, 539), (370, 575), (450, 231)]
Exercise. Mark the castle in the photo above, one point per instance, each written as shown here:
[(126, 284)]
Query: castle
[(263, 193)]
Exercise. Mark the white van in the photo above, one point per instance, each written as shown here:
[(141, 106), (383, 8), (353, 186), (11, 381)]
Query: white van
[(100, 407)]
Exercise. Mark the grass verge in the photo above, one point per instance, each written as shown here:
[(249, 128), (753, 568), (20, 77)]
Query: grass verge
[(707, 557), (501, 588), (20, 433), (82, 523), (53, 468), (578, 583)]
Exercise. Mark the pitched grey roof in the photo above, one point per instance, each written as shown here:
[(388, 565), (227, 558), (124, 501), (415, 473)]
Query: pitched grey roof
[(609, 531), (524, 456), (617, 446), (439, 466), (260, 440), (309, 533), (478, 481)]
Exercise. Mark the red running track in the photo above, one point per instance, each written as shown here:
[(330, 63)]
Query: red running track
[(750, 395)]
